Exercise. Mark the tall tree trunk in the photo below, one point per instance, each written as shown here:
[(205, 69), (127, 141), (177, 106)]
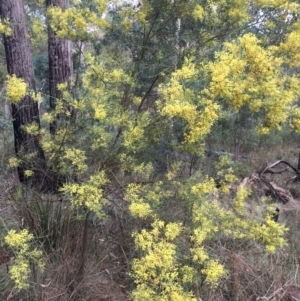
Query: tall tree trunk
[(19, 62), (60, 61)]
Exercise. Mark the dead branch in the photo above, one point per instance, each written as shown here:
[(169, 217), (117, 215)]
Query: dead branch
[(268, 168), (287, 292), (282, 194)]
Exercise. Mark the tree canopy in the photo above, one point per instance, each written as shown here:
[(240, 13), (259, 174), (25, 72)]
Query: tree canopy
[(133, 91)]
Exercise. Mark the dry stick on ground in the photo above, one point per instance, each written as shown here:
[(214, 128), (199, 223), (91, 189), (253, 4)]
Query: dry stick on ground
[(282, 194), (282, 291)]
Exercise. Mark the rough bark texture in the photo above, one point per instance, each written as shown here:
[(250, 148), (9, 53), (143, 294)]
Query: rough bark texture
[(60, 60), (19, 62)]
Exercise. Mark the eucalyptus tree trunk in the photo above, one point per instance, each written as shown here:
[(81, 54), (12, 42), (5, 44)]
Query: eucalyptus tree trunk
[(60, 61), (19, 62)]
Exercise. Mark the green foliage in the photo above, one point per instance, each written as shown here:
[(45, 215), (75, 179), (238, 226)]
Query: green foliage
[(48, 221), (154, 86)]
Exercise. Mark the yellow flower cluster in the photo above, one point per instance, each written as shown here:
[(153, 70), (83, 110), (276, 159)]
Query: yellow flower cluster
[(16, 88), (48, 145), (290, 48), (32, 128), (143, 170), (133, 135), (48, 117), (199, 254), (203, 188), (239, 200), (156, 274), (28, 173), (247, 74), (213, 271), (19, 240), (206, 218), (295, 119), (20, 243), (52, 146), (270, 233), (37, 31), (5, 27), (225, 172), (174, 170), (77, 158), (199, 112), (143, 12), (144, 198), (198, 12), (77, 22), (89, 194), (14, 162), (237, 13), (159, 260), (202, 125), (138, 207)]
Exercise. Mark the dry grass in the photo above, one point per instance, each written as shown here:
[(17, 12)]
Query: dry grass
[(252, 274), (105, 273)]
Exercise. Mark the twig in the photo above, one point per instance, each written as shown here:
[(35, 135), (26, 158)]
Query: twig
[(282, 288)]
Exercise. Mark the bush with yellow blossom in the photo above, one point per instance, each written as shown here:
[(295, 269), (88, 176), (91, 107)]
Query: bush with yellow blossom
[(152, 81), (21, 243)]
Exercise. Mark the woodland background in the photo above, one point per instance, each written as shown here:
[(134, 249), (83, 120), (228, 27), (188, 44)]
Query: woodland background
[(149, 150)]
